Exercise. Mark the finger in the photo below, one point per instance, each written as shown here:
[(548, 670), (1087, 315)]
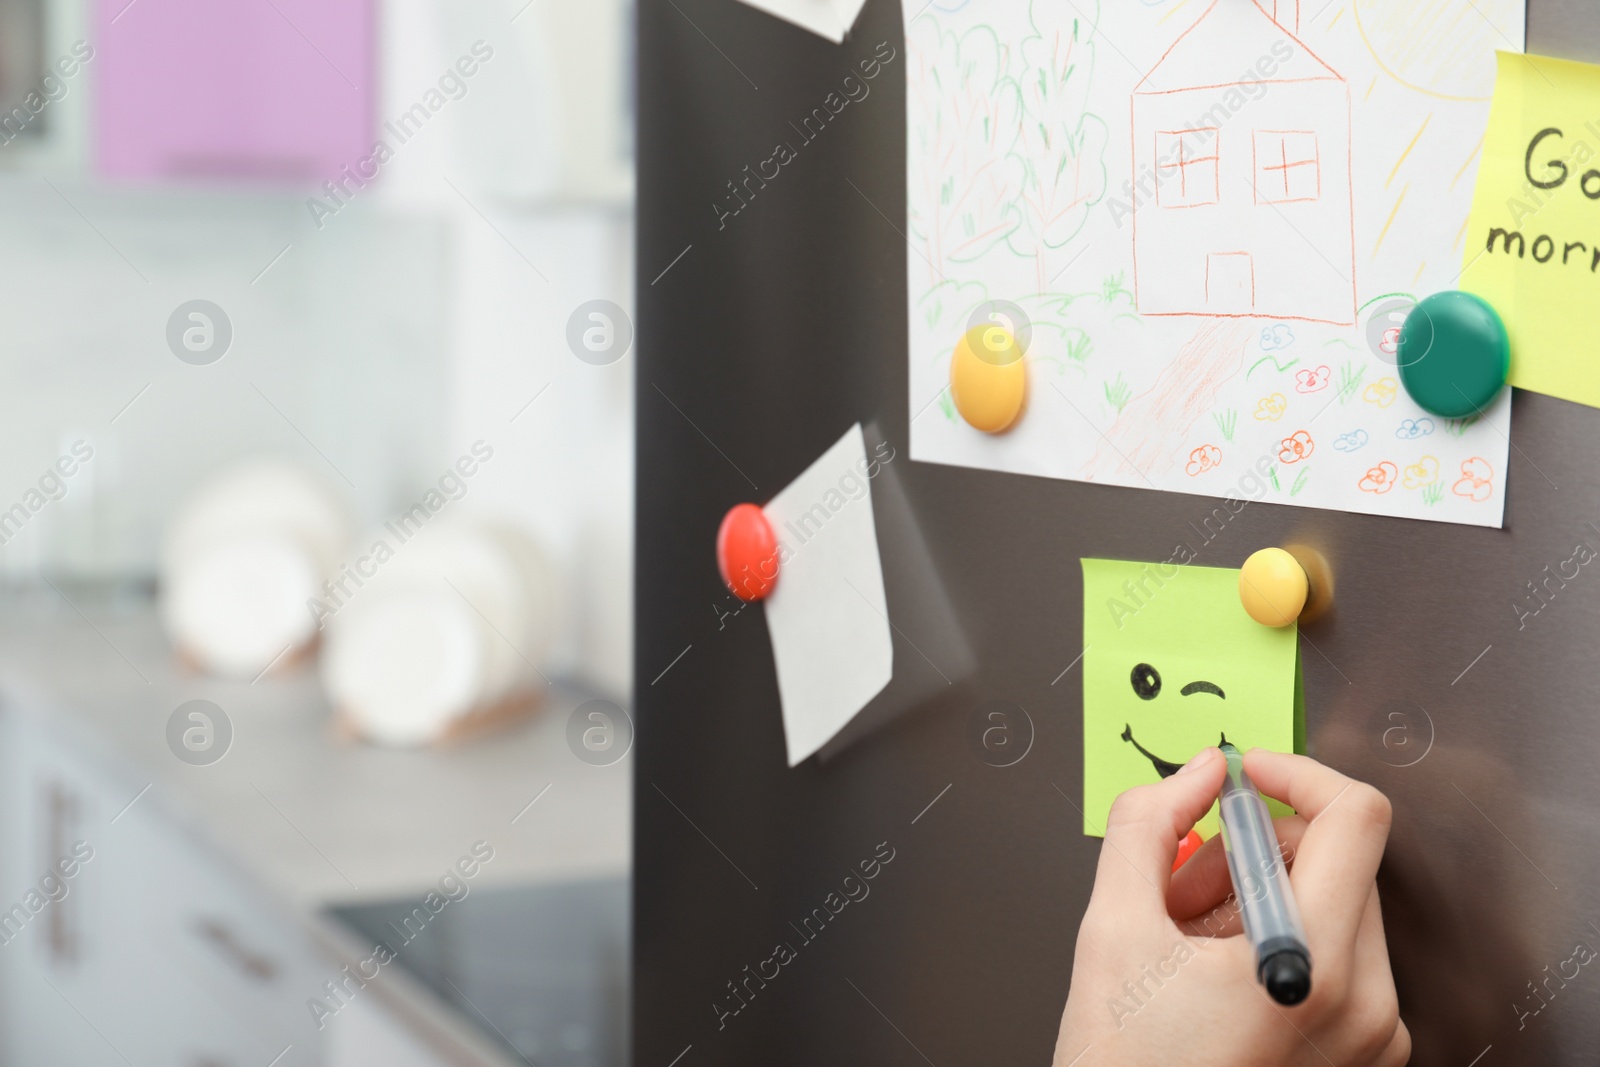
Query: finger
[(1203, 883), (1222, 921), (1221, 917), (1398, 1054), (1370, 973), (1372, 947), (1143, 830), (1348, 826), (1371, 1005)]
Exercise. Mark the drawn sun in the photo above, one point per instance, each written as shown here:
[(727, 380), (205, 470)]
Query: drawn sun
[(1437, 47)]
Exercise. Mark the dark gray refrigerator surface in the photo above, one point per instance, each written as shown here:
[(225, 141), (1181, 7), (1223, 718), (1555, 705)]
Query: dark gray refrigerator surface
[(762, 337)]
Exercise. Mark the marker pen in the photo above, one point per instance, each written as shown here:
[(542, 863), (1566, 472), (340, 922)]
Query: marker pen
[(1261, 884)]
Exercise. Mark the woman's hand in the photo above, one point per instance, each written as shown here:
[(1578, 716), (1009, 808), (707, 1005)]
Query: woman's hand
[(1162, 975)]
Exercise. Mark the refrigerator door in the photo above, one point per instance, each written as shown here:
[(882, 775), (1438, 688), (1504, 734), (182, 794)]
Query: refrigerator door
[(1456, 672)]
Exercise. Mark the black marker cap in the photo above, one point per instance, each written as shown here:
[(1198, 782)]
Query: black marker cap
[(1287, 976)]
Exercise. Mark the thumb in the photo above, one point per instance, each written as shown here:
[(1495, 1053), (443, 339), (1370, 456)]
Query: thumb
[(1145, 826)]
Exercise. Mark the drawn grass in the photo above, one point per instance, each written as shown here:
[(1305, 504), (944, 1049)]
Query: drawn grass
[(1299, 481), (1118, 393), (1226, 422), (947, 405), (1458, 427), (1350, 376), (1050, 361), (1432, 493), (1079, 345), (1279, 367), (1272, 476), (1112, 288)]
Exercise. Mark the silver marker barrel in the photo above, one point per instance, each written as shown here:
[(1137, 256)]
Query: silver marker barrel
[(1261, 885)]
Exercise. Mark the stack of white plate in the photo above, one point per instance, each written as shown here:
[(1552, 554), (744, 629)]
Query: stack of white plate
[(242, 562), (456, 622)]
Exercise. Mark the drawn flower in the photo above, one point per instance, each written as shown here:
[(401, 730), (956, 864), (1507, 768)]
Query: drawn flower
[(1380, 479), (1381, 392), (1423, 472), (1312, 380), (1203, 459), (1349, 442), (1476, 481), (1271, 408), (1411, 429), (1384, 324), (1276, 337), (1296, 447)]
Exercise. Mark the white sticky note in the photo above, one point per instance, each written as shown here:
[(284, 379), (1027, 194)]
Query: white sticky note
[(826, 18), (828, 616)]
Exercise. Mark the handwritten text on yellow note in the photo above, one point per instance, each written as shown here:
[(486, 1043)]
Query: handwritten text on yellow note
[(1533, 239)]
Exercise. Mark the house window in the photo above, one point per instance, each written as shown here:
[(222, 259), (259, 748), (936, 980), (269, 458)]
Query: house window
[(1288, 168), (1186, 167)]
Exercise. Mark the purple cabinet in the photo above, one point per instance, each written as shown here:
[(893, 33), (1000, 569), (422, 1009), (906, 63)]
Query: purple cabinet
[(277, 91)]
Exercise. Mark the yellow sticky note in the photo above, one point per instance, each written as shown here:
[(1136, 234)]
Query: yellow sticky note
[(1533, 238), (1172, 664)]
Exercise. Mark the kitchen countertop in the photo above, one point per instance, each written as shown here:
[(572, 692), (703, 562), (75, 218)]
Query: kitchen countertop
[(316, 820)]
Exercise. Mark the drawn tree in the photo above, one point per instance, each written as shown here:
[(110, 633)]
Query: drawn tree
[(1062, 145), (966, 114)]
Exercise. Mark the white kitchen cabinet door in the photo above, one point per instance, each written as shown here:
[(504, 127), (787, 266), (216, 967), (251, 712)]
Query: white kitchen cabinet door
[(156, 953)]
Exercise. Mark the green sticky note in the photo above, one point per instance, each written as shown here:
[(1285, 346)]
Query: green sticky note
[(1172, 664)]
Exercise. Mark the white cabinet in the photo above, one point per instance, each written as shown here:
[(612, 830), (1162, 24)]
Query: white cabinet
[(366, 1034), (154, 952)]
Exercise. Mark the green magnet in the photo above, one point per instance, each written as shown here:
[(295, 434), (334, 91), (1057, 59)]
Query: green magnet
[(1454, 354)]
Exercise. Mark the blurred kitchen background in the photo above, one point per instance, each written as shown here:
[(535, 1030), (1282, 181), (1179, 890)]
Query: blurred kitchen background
[(315, 531)]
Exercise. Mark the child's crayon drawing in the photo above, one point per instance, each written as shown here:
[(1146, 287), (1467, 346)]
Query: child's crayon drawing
[(1214, 214)]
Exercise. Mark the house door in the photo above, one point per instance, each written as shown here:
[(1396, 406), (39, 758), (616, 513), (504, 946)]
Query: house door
[(1230, 283)]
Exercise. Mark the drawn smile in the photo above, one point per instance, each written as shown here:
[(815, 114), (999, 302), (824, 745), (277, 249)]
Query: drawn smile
[(1165, 768)]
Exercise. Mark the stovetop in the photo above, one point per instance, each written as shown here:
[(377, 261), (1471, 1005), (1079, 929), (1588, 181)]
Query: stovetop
[(541, 971)]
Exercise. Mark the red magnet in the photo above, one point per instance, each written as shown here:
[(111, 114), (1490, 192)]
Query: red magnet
[(1186, 848), (747, 552)]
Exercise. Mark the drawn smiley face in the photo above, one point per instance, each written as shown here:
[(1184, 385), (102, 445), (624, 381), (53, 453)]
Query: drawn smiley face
[(1172, 664), (1146, 682)]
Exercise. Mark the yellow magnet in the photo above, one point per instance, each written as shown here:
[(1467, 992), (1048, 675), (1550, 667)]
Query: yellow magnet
[(988, 378), (1273, 587)]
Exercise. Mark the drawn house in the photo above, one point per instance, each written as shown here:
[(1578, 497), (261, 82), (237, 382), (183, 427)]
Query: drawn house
[(1241, 156)]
